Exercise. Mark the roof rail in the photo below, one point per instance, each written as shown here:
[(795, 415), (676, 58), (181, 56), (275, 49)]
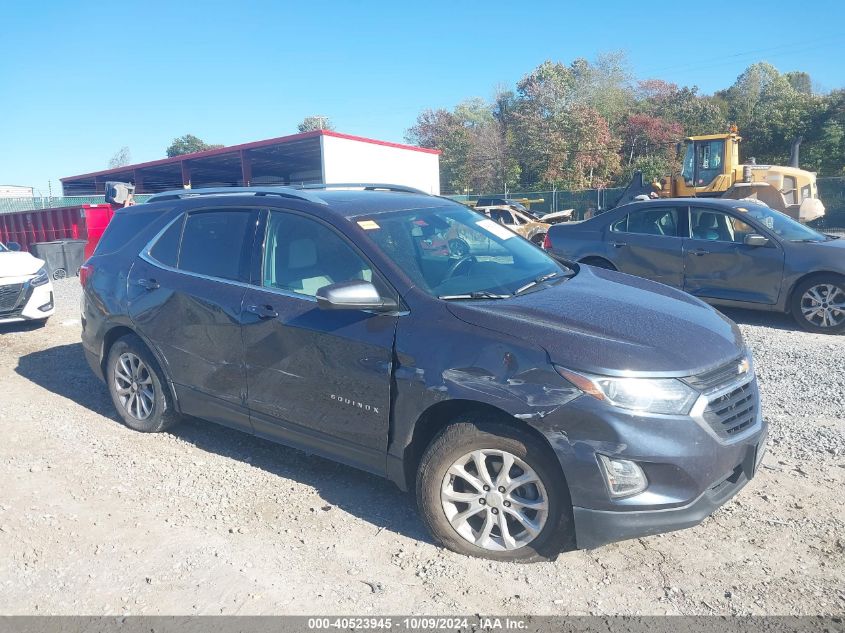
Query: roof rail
[(284, 192), (366, 186)]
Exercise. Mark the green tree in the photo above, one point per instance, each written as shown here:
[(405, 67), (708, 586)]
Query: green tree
[(188, 144), (800, 82), (315, 122)]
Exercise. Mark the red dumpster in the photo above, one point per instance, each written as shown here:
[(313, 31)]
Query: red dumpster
[(82, 222)]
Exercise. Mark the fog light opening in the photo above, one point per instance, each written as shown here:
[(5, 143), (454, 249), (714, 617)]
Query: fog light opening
[(47, 306), (623, 477)]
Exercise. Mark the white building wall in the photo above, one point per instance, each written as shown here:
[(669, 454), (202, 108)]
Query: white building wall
[(349, 160), (14, 191)]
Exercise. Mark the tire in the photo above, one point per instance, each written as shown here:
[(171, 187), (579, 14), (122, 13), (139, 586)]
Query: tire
[(598, 262), (146, 403), (436, 487), (818, 304), (59, 273)]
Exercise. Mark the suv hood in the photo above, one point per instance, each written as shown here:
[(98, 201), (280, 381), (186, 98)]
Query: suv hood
[(18, 264), (609, 323)]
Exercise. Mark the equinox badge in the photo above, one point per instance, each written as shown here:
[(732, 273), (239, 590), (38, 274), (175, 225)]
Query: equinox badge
[(354, 403)]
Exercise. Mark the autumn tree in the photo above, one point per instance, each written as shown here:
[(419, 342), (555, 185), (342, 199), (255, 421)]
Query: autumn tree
[(441, 129), (589, 124)]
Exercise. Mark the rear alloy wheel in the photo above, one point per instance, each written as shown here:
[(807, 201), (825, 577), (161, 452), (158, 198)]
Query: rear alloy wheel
[(494, 490), (138, 388), (133, 384), (818, 305)]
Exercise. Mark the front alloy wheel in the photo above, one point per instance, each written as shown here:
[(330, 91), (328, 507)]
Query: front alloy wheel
[(818, 304), (491, 488), (824, 305), (494, 500)]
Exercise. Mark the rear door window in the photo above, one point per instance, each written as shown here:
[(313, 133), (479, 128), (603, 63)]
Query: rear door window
[(124, 226), (655, 221), (218, 243)]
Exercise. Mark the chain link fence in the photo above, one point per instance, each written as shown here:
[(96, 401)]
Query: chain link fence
[(831, 192), (35, 203)]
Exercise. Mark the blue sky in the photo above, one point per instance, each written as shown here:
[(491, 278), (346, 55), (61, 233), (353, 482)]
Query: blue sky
[(79, 80)]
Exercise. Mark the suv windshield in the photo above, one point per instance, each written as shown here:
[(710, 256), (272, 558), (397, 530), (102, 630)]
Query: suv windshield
[(781, 224), (453, 252)]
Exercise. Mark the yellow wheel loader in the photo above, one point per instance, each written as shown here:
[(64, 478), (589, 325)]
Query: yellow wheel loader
[(711, 168)]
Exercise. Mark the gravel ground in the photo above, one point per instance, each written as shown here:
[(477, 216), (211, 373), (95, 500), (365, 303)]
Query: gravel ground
[(98, 519)]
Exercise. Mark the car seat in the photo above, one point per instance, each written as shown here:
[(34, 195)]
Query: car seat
[(707, 227), (302, 273)]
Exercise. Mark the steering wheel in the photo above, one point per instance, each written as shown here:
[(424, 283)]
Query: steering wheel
[(463, 261)]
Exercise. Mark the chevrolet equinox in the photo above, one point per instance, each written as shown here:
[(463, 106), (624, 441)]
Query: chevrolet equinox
[(533, 404)]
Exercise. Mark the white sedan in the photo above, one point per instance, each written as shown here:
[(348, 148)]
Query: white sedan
[(26, 292)]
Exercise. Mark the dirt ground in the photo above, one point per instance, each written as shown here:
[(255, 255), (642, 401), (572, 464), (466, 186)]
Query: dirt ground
[(98, 519)]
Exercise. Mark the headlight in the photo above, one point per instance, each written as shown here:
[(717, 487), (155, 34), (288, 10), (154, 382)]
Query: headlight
[(41, 277), (649, 395)]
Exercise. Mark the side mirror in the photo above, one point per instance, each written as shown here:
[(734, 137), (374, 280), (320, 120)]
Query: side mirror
[(353, 295), (13, 246), (756, 240)]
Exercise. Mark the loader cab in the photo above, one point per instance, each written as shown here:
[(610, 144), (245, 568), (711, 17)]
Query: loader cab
[(708, 163)]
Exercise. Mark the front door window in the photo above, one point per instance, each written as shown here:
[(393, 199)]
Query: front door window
[(302, 256)]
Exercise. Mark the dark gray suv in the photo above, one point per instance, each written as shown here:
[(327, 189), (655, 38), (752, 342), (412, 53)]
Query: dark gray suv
[(532, 404)]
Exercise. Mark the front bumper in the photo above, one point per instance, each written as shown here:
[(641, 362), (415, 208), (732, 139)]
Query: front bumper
[(594, 528), (691, 469), (33, 303)]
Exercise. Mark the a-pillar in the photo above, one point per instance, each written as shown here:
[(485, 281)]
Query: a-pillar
[(246, 168)]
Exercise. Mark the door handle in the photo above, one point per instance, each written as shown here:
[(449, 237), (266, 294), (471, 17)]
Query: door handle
[(263, 312), (700, 252), (619, 244), (148, 284)]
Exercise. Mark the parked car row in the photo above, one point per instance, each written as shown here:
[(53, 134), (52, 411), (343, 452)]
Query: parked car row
[(533, 404)]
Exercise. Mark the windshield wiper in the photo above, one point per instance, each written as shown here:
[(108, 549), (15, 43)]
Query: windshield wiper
[(480, 294), (536, 281)]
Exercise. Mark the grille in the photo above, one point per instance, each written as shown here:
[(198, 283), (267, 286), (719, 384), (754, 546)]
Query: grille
[(9, 296), (733, 412), (722, 375)]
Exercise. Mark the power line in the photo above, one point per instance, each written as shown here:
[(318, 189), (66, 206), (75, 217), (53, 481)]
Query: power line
[(792, 48)]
